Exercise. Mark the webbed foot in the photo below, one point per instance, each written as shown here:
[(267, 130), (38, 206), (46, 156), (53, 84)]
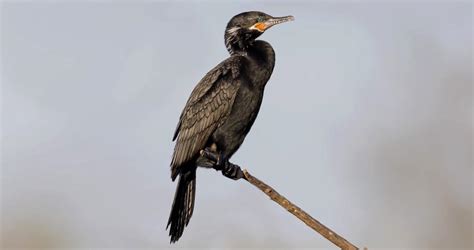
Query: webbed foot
[(232, 171), (228, 169)]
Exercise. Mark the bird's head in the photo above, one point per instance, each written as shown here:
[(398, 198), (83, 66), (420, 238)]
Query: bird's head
[(245, 27)]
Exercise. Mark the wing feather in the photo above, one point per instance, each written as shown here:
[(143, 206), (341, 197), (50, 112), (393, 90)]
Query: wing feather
[(209, 104)]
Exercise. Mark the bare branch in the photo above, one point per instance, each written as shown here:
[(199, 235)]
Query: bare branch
[(299, 213)]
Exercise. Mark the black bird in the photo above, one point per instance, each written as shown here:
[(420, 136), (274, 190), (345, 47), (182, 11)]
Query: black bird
[(220, 111)]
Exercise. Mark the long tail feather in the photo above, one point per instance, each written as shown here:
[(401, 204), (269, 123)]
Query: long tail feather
[(183, 204)]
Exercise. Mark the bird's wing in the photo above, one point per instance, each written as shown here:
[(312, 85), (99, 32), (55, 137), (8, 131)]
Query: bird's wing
[(209, 104)]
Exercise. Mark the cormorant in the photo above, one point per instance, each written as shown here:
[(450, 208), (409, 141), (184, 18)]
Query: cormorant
[(220, 111)]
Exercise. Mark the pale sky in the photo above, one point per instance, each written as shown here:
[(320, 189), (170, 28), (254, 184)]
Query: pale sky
[(366, 124)]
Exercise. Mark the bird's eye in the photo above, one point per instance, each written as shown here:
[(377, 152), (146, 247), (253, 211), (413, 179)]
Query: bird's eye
[(259, 19)]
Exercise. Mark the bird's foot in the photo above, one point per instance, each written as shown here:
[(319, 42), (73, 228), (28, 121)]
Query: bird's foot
[(213, 159), (228, 169), (232, 171), (207, 159)]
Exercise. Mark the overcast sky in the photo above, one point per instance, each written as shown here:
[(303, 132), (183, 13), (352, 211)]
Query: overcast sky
[(366, 124)]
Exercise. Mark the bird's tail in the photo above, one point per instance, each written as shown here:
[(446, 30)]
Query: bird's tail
[(183, 204)]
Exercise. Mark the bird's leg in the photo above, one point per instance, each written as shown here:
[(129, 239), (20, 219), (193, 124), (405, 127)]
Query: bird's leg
[(228, 169), (205, 162), (208, 158), (211, 159)]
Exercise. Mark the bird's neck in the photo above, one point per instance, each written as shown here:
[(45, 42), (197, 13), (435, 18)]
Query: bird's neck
[(235, 42), (262, 52), (238, 48), (262, 57)]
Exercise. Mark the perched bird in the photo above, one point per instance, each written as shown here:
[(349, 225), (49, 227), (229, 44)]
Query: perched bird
[(221, 110)]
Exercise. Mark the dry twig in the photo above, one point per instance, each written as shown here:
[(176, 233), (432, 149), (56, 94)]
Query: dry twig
[(299, 213)]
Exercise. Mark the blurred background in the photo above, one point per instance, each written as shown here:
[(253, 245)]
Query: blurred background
[(366, 124)]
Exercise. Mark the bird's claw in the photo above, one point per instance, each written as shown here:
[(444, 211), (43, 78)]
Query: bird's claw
[(209, 155), (214, 157), (228, 169), (232, 171)]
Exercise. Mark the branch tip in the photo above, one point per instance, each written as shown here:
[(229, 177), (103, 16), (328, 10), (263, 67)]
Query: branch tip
[(299, 213)]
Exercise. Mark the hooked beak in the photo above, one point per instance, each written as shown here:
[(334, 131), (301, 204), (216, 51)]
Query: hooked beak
[(277, 20), (271, 22)]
